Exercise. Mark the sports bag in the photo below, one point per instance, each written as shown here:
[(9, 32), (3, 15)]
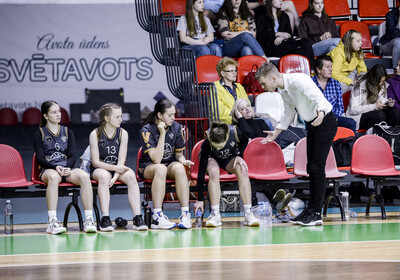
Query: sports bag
[(250, 83), (392, 135), (342, 149)]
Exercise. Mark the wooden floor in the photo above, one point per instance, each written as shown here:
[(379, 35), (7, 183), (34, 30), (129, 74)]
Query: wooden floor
[(362, 248)]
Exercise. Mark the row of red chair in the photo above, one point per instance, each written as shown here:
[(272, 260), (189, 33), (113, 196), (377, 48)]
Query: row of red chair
[(30, 116), (372, 12)]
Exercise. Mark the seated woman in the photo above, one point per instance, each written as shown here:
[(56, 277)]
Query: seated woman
[(346, 58), (196, 32), (275, 34), (227, 88), (211, 9), (391, 39), (369, 103), (319, 28), (243, 116), (237, 28), (393, 90), (223, 147), (55, 152)]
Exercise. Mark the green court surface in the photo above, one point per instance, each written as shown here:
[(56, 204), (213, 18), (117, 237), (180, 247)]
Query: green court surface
[(240, 236)]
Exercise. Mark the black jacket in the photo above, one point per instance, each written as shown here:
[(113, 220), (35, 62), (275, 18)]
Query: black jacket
[(392, 31)]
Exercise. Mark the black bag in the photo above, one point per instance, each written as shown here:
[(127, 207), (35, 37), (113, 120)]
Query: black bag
[(392, 135), (343, 148)]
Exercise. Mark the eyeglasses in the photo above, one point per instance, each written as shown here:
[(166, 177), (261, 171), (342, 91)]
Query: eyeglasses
[(231, 71)]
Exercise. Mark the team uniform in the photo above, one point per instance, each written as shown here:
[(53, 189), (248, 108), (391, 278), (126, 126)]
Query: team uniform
[(109, 147), (150, 136)]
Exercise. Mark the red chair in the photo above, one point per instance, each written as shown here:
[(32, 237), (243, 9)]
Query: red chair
[(265, 161), (331, 171), (245, 65), (372, 12), (70, 187), (301, 6), (31, 116), (12, 172), (372, 158), (346, 99), (178, 7), (207, 68), (338, 10), (343, 132), (8, 117), (294, 63), (366, 43), (64, 117), (224, 176)]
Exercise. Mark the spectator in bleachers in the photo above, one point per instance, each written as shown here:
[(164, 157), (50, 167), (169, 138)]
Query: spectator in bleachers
[(348, 60), (228, 90), (391, 39), (243, 116), (394, 87), (369, 103), (196, 31), (162, 158), (55, 152), (108, 150), (331, 90), (275, 34), (238, 29), (287, 6), (319, 28), (223, 147), (211, 8)]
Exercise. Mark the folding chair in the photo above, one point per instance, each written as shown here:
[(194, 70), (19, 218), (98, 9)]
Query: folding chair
[(372, 12), (178, 7), (372, 158), (343, 132), (301, 6), (338, 10), (70, 188), (206, 66), (294, 63), (8, 116)]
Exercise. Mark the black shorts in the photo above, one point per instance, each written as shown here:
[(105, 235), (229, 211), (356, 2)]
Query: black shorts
[(224, 162), (143, 165), (63, 178)]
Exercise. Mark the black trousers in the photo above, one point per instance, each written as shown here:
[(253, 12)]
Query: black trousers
[(391, 115), (319, 142)]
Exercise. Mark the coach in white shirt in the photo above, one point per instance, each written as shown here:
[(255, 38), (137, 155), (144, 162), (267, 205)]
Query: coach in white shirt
[(299, 93)]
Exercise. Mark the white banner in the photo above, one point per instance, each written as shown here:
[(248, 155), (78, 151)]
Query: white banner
[(56, 51)]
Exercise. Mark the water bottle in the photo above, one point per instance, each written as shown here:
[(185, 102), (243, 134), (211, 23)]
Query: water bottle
[(8, 218), (199, 218), (147, 216), (263, 212), (345, 202)]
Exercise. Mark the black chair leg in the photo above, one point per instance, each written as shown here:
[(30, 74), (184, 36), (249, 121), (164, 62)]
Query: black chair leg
[(379, 199), (340, 205), (73, 203)]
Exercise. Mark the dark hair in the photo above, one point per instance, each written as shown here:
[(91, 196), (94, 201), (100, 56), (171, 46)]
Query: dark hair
[(373, 79), (319, 62), (268, 8), (160, 107), (190, 21), (310, 11), (105, 110), (227, 8), (218, 132), (45, 110)]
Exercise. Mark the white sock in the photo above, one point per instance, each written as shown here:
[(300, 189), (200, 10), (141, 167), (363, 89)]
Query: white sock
[(52, 214), (185, 210), (215, 208), (246, 208), (88, 214), (156, 210)]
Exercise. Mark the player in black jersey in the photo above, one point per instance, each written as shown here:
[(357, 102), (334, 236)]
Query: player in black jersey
[(223, 147), (162, 158), (108, 149), (55, 152)]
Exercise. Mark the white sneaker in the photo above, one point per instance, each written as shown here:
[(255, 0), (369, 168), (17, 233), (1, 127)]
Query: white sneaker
[(214, 220), (184, 221), (250, 220), (160, 221), (55, 228), (89, 226)]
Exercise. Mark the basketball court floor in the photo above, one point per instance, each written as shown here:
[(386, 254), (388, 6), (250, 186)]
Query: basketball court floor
[(361, 248)]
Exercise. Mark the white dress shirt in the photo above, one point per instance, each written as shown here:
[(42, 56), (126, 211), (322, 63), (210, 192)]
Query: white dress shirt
[(300, 93)]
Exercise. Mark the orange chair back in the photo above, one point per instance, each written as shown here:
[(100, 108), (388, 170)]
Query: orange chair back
[(294, 63), (207, 68)]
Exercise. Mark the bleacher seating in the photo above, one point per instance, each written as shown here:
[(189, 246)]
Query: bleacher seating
[(338, 10), (31, 116), (294, 63), (8, 116), (372, 12)]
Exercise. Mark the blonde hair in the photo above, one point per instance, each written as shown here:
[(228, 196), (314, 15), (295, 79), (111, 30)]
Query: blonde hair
[(235, 107), (105, 110), (223, 62), (265, 69), (348, 49)]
